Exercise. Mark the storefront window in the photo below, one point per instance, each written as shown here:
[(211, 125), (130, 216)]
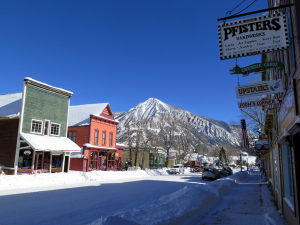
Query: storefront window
[(56, 161), (111, 160), (104, 162), (46, 161), (93, 160), (287, 175), (25, 159)]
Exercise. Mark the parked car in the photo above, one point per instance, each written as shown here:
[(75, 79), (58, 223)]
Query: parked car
[(177, 169), (210, 172), (223, 172), (197, 169), (229, 170)]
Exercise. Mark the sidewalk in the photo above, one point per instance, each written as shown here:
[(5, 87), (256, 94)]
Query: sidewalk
[(248, 202)]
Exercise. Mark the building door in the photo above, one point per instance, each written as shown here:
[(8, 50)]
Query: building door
[(66, 169), (100, 162), (85, 165), (38, 165)]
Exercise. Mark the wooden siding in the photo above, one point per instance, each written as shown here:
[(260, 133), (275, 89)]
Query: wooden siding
[(82, 134), (103, 125), (76, 164), (107, 113), (44, 105), (8, 141)]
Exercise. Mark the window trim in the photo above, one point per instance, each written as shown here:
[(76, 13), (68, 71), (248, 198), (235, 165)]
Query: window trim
[(96, 131), (41, 126), (49, 122), (58, 129), (92, 160), (104, 138), (111, 139), (72, 132)]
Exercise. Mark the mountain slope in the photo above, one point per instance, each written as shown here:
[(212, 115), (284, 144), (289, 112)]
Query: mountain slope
[(207, 130)]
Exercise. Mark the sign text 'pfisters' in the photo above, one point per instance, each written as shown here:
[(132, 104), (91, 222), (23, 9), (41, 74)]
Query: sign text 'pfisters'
[(253, 36), (258, 89), (259, 103)]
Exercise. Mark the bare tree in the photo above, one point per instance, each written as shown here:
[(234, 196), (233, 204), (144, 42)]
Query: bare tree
[(167, 135), (128, 136), (185, 140), (138, 137), (149, 136)]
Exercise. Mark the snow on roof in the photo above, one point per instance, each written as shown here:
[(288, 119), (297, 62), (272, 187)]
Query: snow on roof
[(55, 88), (191, 157), (77, 155), (10, 104), (80, 114), (102, 117), (49, 143), (120, 144), (93, 146)]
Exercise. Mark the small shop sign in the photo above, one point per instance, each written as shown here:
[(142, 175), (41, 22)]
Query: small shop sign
[(256, 68), (259, 103), (253, 36), (286, 116), (258, 89), (56, 153)]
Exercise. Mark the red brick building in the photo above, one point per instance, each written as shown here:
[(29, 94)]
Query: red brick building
[(94, 128)]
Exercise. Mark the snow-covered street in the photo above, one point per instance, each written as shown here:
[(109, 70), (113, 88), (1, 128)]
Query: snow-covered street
[(85, 202), (140, 198)]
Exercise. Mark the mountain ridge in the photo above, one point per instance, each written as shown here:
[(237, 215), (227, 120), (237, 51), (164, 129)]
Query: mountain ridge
[(210, 131)]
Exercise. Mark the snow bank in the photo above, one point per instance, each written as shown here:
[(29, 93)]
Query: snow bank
[(185, 204), (73, 177)]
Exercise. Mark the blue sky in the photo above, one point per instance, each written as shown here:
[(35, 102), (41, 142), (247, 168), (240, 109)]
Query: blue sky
[(123, 52)]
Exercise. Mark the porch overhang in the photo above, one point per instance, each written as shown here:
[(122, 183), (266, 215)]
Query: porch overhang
[(49, 143)]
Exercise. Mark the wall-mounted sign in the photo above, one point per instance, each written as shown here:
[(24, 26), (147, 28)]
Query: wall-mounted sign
[(259, 103), (56, 153), (257, 67), (262, 145), (258, 89), (286, 116), (253, 36), (264, 158)]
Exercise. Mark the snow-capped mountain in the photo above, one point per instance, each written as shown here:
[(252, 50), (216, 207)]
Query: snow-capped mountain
[(207, 130)]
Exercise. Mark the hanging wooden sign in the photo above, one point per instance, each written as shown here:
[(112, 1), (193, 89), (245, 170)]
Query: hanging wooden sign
[(258, 89), (253, 36), (257, 68)]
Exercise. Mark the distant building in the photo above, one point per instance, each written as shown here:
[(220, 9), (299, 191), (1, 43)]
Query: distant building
[(154, 157), (94, 129), (33, 132)]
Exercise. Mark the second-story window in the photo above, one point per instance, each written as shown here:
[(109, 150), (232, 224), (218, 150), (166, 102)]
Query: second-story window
[(72, 135), (103, 137), (96, 137), (55, 129), (36, 126), (46, 128), (110, 139)]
